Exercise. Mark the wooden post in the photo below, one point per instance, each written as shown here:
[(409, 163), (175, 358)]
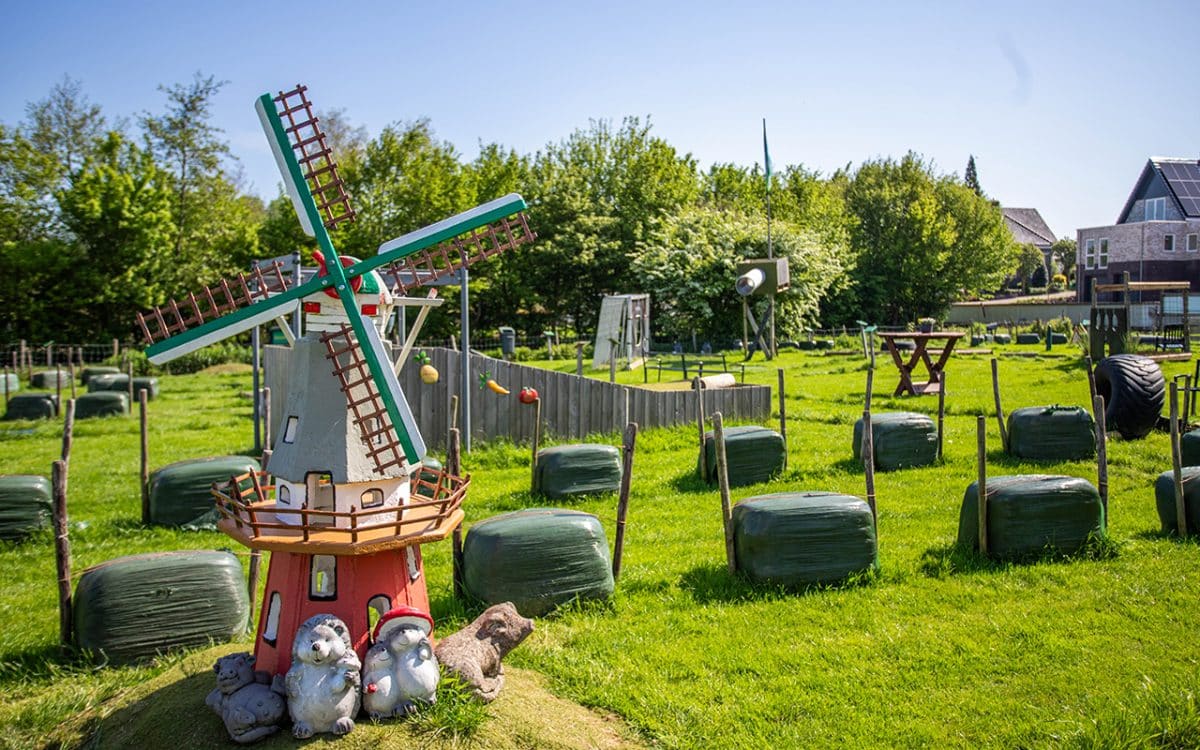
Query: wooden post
[(62, 551), (454, 468), (537, 439), (723, 484), (783, 417), (870, 388), (579, 358), (58, 384), (6, 396), (129, 374), (68, 431), (627, 447), (1101, 454), (50, 355), (143, 399), (981, 502), (869, 463), (703, 462), (999, 410), (1091, 375), (116, 348), (612, 360), (72, 373), (267, 416), (454, 412), (941, 414), (1176, 465)]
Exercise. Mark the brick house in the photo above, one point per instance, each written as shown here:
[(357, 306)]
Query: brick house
[(1157, 235)]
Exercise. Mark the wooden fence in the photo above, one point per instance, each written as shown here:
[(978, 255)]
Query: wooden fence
[(572, 407)]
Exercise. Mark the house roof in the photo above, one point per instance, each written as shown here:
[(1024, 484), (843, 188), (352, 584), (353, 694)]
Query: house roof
[(1182, 177), (1028, 227)]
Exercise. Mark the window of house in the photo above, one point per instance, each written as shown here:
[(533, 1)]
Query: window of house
[(283, 495), (322, 579), (271, 629), (377, 606), (1102, 253), (1169, 243), (289, 430), (1156, 209), (372, 498), (1089, 254), (1193, 243)]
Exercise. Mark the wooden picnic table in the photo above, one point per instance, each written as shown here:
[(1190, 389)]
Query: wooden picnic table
[(919, 354)]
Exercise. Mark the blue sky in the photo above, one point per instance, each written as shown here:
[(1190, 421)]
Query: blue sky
[(1061, 103)]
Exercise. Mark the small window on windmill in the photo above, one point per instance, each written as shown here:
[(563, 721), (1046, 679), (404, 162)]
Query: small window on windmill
[(372, 498), (271, 629), (322, 581), (289, 430), (377, 606), (283, 495)]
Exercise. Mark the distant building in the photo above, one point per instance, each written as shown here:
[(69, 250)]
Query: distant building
[(1029, 228), (1157, 235)]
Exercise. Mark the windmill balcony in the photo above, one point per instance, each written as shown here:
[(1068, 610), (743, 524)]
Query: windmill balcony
[(252, 518)]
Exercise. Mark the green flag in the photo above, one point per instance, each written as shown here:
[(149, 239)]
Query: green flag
[(766, 156)]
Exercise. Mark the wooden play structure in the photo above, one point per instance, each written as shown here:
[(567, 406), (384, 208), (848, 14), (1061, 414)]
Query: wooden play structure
[(1108, 328)]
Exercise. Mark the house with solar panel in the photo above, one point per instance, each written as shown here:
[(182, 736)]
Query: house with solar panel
[(1156, 236)]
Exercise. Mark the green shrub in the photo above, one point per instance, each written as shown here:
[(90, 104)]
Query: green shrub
[(1058, 283), (225, 352)]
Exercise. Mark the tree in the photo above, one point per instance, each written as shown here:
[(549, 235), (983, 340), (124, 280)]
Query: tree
[(971, 179), (65, 125), (1029, 261), (1065, 253)]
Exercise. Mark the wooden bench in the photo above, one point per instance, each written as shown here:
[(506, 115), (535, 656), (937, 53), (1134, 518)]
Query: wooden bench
[(697, 366)]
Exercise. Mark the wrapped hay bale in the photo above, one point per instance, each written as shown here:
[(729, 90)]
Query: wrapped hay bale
[(180, 493), (752, 454), (537, 559), (1051, 433), (24, 505), (804, 538), (1058, 338), (32, 406), (90, 372), (120, 382), (1001, 338), (102, 404), (902, 440), (134, 607), (1164, 500), (11, 382), (583, 469), (1189, 444), (50, 379), (1029, 338), (1029, 513)]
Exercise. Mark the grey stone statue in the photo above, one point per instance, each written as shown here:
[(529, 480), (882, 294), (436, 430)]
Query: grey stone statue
[(322, 683), (250, 709), (400, 673), (475, 652)]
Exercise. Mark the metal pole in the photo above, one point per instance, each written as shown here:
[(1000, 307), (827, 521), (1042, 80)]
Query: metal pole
[(297, 279), (256, 362), (465, 385)]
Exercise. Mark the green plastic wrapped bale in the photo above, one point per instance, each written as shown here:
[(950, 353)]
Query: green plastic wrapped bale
[(133, 608), (32, 406), (120, 382), (180, 493), (103, 404), (1051, 433), (1030, 513), (1058, 338), (90, 372), (902, 440), (977, 340), (752, 454), (1164, 500), (1001, 338), (537, 559), (50, 379), (804, 538), (12, 381), (1189, 444), (24, 505), (1029, 338), (583, 469)]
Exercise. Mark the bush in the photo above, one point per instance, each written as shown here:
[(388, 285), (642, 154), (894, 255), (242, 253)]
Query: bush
[(1058, 283), (217, 354)]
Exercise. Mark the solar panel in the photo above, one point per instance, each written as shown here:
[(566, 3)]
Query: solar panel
[(1184, 179)]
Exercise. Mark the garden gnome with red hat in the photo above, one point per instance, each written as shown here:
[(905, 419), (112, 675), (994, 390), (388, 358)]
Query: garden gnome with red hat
[(400, 673)]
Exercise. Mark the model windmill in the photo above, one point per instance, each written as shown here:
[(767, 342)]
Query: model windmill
[(350, 507)]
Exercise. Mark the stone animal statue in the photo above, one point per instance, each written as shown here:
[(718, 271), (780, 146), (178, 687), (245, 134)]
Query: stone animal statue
[(322, 683), (250, 709), (401, 673), (475, 652)]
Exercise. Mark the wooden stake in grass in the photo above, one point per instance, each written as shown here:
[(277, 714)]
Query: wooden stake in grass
[(627, 448), (723, 485), (537, 439), (62, 551), (783, 417), (870, 387), (1177, 464), (68, 431), (129, 374), (454, 468), (1091, 373), (941, 414), (143, 413), (6, 383), (999, 411), (703, 462), (1101, 454), (981, 503), (453, 413), (869, 463), (72, 368)]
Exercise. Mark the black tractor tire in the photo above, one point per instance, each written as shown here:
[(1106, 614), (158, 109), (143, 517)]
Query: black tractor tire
[(1134, 390)]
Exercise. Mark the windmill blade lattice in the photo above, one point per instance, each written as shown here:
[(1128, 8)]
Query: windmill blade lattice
[(314, 157), (213, 302), (446, 258)]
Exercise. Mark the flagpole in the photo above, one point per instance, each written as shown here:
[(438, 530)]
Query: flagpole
[(770, 247)]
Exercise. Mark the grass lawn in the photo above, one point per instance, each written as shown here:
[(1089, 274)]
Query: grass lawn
[(940, 649)]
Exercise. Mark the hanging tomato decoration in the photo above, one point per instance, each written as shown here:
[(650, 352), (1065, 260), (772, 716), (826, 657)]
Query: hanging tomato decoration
[(527, 395)]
